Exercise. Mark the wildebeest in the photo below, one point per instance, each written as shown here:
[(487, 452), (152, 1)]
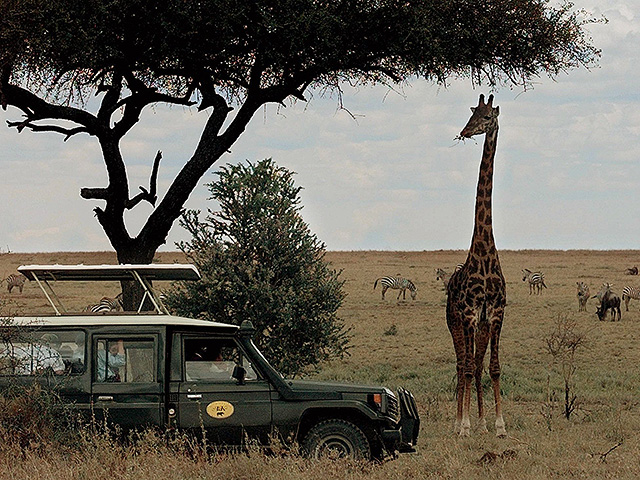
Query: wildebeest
[(608, 301)]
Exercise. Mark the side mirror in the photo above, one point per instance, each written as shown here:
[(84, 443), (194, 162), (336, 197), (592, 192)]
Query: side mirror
[(240, 374)]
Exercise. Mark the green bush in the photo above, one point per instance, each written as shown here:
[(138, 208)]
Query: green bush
[(259, 261)]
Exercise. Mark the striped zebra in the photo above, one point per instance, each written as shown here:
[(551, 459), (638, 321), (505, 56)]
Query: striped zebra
[(444, 276), (631, 271), (396, 283), (15, 280), (106, 305), (604, 290), (583, 296), (630, 293), (535, 279)]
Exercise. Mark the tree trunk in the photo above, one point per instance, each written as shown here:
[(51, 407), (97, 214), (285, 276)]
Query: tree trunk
[(132, 291), (141, 249)]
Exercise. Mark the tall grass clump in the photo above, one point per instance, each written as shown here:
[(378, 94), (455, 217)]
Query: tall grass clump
[(34, 418)]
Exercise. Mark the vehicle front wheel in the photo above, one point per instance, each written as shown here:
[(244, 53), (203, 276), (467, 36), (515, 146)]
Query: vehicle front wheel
[(336, 439)]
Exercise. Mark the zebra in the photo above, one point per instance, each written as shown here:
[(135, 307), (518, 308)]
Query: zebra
[(631, 271), (106, 305), (629, 293), (604, 291), (444, 276), (15, 280), (535, 279), (397, 283), (583, 296)]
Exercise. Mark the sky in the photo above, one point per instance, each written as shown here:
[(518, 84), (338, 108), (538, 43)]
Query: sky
[(387, 174)]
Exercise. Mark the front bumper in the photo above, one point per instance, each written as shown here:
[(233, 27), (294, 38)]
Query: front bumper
[(404, 438), (409, 421)]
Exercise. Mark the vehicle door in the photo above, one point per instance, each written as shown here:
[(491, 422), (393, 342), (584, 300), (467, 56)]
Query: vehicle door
[(127, 379), (209, 397)]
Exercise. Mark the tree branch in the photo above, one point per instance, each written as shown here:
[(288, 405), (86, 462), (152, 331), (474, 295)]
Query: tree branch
[(94, 193), (141, 96), (111, 97), (67, 132), (148, 195), (36, 109)]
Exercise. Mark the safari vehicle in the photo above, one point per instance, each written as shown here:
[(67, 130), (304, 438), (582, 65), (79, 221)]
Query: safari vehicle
[(139, 369)]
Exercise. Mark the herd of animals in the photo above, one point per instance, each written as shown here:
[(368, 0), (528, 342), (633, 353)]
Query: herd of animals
[(476, 292), (608, 300)]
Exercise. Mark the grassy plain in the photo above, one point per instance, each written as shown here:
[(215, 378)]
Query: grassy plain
[(406, 343)]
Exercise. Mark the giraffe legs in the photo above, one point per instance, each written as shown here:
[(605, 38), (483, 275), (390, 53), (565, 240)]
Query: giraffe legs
[(471, 343), (482, 341), (468, 373), (494, 370), (458, 335), (458, 345)]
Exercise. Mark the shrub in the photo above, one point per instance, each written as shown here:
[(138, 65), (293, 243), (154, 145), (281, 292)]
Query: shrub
[(259, 261), (33, 417)]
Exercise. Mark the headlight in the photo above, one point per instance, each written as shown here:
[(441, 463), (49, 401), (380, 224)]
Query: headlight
[(385, 402)]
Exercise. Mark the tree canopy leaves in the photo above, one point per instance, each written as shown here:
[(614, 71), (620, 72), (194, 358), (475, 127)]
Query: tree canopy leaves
[(232, 57), (284, 46)]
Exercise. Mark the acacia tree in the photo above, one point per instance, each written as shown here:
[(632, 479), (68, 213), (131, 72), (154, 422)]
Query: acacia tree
[(232, 57), (259, 261)]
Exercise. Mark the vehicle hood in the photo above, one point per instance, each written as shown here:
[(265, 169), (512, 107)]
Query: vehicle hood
[(335, 387)]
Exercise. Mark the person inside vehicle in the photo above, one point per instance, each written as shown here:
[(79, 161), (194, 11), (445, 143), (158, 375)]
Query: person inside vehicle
[(204, 350), (110, 361), (205, 362), (38, 358), (75, 359)]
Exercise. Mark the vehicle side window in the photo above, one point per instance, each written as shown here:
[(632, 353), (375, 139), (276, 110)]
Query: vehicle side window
[(41, 352), (125, 360), (213, 360)]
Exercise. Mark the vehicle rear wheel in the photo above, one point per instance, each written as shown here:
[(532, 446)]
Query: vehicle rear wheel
[(336, 438)]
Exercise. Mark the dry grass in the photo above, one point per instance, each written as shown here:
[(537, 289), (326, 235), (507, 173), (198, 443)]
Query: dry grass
[(407, 343)]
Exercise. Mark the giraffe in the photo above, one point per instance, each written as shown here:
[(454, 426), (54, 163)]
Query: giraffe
[(476, 293)]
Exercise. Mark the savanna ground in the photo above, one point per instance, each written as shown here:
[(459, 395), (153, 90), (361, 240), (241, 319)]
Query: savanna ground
[(406, 343)]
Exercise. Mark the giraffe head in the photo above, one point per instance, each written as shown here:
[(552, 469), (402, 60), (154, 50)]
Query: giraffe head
[(484, 119)]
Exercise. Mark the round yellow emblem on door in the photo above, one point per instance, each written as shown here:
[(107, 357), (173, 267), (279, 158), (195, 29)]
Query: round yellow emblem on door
[(219, 409)]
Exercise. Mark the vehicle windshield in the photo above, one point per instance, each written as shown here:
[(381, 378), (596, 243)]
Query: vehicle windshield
[(263, 359)]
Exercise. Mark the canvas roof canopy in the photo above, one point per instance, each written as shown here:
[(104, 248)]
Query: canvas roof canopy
[(144, 275), (110, 272)]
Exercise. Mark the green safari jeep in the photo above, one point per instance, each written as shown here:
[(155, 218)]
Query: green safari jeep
[(139, 369)]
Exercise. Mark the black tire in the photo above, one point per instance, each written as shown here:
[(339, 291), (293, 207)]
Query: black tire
[(336, 438)]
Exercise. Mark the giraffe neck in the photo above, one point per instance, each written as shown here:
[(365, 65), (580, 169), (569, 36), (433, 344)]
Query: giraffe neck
[(483, 241)]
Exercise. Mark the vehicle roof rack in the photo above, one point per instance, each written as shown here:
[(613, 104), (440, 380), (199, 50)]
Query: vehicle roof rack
[(143, 274), (169, 271)]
